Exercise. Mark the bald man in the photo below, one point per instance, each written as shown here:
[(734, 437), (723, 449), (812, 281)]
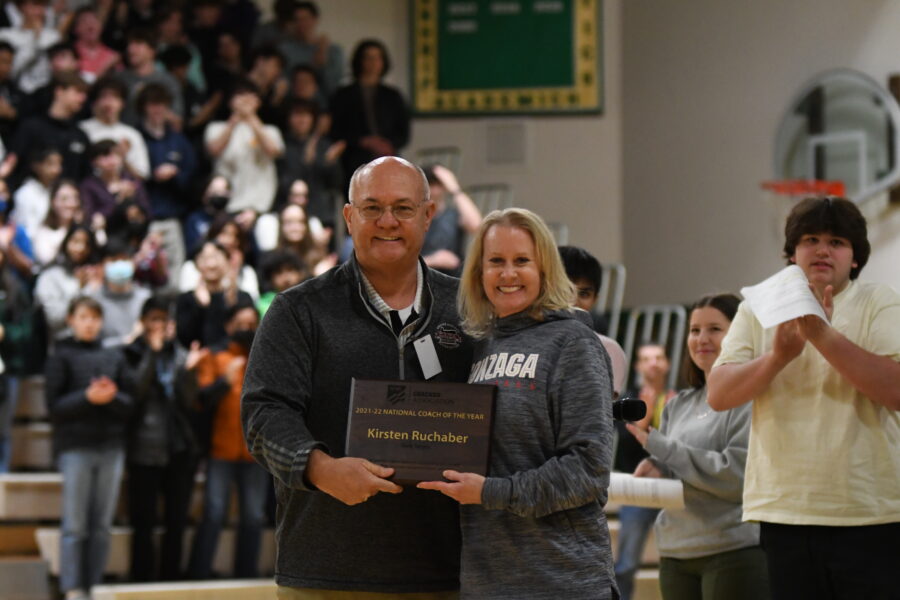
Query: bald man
[(345, 530)]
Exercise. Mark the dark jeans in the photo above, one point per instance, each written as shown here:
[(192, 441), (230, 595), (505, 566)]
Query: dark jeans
[(146, 485), (252, 486), (818, 562), (735, 575)]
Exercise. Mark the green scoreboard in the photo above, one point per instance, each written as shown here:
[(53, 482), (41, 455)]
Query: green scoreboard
[(474, 57)]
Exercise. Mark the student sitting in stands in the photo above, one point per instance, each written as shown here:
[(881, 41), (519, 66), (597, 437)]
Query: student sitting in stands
[(32, 200), (88, 399), (74, 272), (64, 211), (281, 269), (120, 296), (16, 336), (109, 185), (200, 312)]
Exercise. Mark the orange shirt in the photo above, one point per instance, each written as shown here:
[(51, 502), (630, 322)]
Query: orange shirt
[(227, 433)]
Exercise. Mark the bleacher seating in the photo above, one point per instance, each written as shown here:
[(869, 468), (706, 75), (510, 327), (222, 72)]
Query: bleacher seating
[(491, 196), (448, 156), (238, 589), (120, 550), (611, 295), (663, 324)]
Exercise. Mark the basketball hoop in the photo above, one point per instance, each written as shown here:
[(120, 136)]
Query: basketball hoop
[(804, 188), (782, 194)]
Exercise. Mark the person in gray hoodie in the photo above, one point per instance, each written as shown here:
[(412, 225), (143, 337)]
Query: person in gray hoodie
[(535, 526), (707, 552)]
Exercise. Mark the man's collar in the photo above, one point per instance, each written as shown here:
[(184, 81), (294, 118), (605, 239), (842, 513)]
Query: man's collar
[(378, 302)]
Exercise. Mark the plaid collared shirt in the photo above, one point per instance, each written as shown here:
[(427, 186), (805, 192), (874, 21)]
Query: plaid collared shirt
[(384, 310)]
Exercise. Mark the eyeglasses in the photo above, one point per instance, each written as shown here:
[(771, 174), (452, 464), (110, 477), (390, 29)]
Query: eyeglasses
[(401, 212)]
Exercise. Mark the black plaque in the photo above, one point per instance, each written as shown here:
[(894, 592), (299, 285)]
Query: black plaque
[(421, 428)]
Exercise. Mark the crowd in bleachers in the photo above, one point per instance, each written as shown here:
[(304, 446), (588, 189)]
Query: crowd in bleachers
[(166, 169)]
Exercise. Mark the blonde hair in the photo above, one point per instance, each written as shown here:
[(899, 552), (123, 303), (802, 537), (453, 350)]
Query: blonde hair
[(556, 293)]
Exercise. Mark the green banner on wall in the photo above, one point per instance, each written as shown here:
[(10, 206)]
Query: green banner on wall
[(477, 57)]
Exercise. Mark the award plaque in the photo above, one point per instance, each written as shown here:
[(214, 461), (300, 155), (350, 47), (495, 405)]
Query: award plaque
[(421, 428)]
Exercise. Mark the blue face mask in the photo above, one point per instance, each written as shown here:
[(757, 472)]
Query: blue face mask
[(119, 271), (4, 204)]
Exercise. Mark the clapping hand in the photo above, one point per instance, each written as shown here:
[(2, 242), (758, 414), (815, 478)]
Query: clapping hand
[(195, 355), (101, 390)]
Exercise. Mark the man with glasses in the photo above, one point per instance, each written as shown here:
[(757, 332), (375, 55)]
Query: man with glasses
[(345, 530)]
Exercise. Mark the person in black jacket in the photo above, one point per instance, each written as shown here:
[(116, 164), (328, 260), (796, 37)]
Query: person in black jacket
[(89, 400), (343, 527), (21, 343), (162, 449), (200, 313), (370, 117)]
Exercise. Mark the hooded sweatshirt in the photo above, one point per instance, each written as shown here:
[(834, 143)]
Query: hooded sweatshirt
[(541, 531)]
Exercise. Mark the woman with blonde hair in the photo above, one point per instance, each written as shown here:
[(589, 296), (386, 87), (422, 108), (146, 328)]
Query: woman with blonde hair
[(540, 530)]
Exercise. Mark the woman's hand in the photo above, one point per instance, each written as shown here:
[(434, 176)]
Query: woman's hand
[(647, 468), (639, 434), (465, 488)]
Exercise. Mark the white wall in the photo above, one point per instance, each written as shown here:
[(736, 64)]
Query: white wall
[(573, 173), (668, 177), (705, 84)]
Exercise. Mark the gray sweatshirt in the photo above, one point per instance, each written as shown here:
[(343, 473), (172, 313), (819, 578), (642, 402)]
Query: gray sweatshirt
[(541, 531), (707, 450)]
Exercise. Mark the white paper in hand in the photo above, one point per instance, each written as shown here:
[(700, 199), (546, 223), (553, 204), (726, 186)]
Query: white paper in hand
[(782, 297)]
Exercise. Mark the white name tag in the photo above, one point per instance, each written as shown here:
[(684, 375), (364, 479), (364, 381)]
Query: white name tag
[(428, 358)]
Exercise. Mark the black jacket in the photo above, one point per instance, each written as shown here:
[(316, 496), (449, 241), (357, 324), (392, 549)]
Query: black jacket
[(161, 424), (76, 422), (313, 340)]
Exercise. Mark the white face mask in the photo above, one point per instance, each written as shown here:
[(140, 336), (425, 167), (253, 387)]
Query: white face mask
[(119, 271)]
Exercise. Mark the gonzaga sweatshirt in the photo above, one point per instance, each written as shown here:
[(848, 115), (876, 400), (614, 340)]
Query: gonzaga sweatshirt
[(540, 531)]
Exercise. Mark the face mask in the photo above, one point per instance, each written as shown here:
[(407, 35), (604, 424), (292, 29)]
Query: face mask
[(218, 202), (243, 337), (119, 271), (4, 204)]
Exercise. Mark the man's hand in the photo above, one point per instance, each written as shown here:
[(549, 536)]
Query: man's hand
[(447, 179), (442, 259), (350, 480), (465, 488), (812, 327), (788, 342)]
